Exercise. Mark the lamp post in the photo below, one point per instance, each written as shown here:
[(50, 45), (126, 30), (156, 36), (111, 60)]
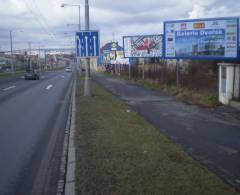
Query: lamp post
[(79, 12), (11, 48), (30, 55), (79, 17)]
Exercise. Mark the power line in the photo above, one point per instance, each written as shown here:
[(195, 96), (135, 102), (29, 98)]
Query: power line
[(37, 19), (42, 17)]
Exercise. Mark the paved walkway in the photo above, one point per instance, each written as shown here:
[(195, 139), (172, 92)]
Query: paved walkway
[(211, 136)]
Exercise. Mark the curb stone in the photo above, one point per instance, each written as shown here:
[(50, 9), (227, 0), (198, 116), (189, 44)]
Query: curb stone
[(71, 160), (66, 182)]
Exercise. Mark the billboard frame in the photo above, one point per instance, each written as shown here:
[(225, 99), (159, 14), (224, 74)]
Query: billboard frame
[(162, 57), (201, 57)]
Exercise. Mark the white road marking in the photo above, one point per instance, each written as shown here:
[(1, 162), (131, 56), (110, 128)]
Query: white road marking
[(8, 88), (63, 76), (49, 87)]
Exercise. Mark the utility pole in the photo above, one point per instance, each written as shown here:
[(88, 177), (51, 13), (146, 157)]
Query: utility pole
[(79, 17), (87, 83), (30, 53), (45, 58), (11, 45), (79, 28), (79, 21), (39, 64)]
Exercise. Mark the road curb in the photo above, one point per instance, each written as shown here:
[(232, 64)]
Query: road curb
[(71, 156), (66, 182)]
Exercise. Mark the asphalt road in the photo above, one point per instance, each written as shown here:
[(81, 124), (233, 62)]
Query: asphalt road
[(33, 117), (211, 136)]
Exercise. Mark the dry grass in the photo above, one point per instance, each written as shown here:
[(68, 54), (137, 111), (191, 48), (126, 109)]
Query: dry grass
[(119, 153)]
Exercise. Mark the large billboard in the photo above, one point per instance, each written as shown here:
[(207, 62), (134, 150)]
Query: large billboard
[(146, 46), (201, 39)]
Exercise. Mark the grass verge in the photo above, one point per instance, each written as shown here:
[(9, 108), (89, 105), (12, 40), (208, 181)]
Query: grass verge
[(11, 75), (119, 153)]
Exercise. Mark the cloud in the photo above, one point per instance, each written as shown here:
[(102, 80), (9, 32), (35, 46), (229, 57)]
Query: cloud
[(45, 22)]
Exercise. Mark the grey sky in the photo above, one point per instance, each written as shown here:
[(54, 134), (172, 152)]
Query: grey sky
[(44, 22)]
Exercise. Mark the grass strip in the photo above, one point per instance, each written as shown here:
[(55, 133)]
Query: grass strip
[(119, 153), (11, 75)]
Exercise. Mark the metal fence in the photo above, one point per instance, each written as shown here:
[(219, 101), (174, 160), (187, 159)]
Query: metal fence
[(195, 75)]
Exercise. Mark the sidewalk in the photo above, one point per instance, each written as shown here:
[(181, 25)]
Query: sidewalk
[(211, 136)]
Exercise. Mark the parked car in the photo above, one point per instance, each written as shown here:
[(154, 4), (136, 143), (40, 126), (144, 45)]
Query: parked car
[(32, 75)]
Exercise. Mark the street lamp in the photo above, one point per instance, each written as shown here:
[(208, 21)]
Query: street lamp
[(11, 48), (79, 12)]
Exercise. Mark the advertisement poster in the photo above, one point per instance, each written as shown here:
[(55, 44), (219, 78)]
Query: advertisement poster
[(208, 38), (147, 46)]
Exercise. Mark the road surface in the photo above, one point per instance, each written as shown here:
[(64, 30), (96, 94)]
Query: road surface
[(212, 136), (33, 117)]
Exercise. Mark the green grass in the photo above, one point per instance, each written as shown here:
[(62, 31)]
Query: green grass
[(9, 75), (119, 153), (58, 68)]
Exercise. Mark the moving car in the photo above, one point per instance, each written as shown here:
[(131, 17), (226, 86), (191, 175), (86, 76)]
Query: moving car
[(68, 69), (32, 75)]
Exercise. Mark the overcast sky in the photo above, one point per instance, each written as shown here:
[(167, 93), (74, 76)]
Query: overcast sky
[(44, 22)]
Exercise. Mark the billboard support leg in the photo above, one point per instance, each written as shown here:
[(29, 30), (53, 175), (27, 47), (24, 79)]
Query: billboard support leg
[(177, 73), (143, 70), (119, 69), (129, 71)]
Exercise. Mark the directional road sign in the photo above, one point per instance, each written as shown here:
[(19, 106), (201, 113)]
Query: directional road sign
[(87, 44)]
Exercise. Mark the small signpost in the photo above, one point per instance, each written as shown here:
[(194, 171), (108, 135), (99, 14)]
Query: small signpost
[(87, 44)]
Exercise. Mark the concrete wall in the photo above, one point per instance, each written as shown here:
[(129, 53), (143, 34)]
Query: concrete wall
[(229, 89)]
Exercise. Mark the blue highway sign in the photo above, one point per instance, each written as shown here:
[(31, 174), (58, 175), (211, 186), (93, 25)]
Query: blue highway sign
[(88, 44)]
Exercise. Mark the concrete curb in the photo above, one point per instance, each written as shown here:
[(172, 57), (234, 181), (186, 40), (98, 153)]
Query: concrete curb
[(66, 182), (71, 156)]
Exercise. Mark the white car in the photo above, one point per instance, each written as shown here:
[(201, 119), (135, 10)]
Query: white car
[(68, 70)]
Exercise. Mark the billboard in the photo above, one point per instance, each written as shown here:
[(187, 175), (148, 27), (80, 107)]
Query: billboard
[(201, 39), (146, 46)]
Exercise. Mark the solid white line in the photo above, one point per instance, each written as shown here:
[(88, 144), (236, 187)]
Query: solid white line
[(49, 87), (8, 88)]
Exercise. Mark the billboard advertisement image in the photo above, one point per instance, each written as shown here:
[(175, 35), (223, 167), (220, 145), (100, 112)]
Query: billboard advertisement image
[(206, 38), (146, 46)]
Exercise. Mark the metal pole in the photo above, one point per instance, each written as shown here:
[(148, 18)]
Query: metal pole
[(129, 71), (45, 58), (87, 83), (39, 64), (79, 17), (143, 69), (79, 28), (177, 73), (30, 51), (11, 45)]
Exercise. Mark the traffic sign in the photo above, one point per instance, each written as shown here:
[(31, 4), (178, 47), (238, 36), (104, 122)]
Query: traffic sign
[(87, 44)]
